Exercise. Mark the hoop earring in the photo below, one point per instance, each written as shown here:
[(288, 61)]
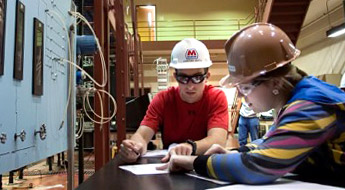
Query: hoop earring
[(275, 91)]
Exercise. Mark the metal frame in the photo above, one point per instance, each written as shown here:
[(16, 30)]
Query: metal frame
[(71, 118), (102, 145), (121, 72), (104, 13), (136, 53)]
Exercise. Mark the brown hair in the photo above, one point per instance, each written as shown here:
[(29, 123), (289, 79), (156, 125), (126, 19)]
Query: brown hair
[(289, 74)]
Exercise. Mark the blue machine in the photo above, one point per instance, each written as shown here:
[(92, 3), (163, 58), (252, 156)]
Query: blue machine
[(86, 45), (30, 122)]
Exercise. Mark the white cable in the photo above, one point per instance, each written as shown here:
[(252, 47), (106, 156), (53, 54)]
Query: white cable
[(104, 81), (110, 96), (78, 67), (69, 57), (81, 17), (87, 92), (81, 127), (107, 119)]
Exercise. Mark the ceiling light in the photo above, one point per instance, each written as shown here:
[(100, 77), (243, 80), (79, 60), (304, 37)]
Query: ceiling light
[(336, 31)]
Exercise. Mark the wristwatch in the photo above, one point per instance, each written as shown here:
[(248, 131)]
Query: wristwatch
[(191, 142)]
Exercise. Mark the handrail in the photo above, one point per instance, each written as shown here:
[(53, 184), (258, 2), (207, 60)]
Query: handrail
[(199, 29), (229, 19)]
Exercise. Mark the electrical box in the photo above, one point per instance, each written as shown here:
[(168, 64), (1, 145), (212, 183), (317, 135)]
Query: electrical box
[(34, 85)]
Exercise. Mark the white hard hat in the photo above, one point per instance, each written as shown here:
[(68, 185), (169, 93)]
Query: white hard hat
[(342, 82), (190, 53)]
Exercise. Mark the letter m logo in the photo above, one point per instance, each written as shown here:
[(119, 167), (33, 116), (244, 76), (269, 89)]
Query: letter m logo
[(191, 54)]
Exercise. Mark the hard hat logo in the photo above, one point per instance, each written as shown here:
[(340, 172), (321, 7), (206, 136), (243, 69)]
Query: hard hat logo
[(191, 54)]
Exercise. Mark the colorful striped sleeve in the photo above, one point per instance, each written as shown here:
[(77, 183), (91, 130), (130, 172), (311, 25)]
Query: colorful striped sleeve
[(301, 127)]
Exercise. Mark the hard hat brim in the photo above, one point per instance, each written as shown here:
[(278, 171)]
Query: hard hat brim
[(230, 82), (190, 65), (225, 82)]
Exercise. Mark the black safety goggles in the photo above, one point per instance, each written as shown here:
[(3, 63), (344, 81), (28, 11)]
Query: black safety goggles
[(196, 79)]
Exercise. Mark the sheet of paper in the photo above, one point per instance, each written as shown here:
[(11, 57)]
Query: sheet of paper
[(281, 184), (144, 169), (192, 174), (155, 153), (159, 153)]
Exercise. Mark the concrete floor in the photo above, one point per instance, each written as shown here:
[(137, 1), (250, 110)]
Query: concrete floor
[(37, 175)]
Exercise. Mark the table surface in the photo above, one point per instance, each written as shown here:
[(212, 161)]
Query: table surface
[(112, 177)]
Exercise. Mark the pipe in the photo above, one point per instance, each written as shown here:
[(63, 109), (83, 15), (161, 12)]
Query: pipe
[(71, 121)]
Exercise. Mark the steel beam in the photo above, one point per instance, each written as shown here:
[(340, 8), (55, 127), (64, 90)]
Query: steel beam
[(120, 71), (136, 54), (102, 145)]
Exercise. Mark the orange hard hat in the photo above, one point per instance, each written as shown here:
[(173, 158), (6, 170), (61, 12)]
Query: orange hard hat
[(255, 50)]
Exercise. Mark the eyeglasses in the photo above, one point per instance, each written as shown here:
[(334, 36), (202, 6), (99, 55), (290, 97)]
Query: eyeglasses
[(196, 79), (246, 89)]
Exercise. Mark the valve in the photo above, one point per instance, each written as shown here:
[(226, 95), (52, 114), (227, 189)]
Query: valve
[(42, 132), (21, 135), (3, 138)]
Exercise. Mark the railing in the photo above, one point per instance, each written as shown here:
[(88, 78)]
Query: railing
[(199, 29)]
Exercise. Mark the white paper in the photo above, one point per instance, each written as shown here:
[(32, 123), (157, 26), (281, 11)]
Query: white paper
[(144, 169), (208, 179), (281, 184), (172, 146), (49, 187), (155, 153), (159, 153)]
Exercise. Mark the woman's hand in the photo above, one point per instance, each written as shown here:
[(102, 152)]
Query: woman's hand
[(179, 163), (217, 149), (180, 149)]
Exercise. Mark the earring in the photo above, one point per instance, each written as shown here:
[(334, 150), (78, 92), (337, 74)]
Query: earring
[(275, 91)]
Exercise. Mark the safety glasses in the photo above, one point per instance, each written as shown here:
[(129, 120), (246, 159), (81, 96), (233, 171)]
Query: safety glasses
[(196, 79), (246, 89)]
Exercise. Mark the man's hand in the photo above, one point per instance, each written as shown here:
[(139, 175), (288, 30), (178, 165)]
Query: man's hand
[(179, 163), (180, 149), (130, 151)]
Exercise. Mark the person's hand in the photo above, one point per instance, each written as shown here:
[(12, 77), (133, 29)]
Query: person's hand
[(216, 149), (179, 163), (130, 151), (180, 149)]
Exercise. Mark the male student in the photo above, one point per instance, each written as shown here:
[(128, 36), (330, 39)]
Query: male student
[(193, 114)]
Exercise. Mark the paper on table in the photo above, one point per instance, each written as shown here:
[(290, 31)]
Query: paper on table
[(155, 153), (144, 169), (192, 174), (281, 184), (158, 153)]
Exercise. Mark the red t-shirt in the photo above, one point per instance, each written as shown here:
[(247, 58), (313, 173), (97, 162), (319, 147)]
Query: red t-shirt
[(180, 121)]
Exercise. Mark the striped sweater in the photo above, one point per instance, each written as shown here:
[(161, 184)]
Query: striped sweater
[(310, 130)]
